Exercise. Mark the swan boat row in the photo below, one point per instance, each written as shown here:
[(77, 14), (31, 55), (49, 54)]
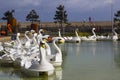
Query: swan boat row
[(93, 37), (32, 55)]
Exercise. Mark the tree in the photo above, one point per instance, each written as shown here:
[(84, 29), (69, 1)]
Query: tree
[(11, 21), (60, 15), (8, 15), (32, 16), (117, 19)]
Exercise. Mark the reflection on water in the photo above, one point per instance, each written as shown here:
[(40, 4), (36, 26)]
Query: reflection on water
[(81, 61), (8, 73), (11, 73), (117, 53), (58, 73)]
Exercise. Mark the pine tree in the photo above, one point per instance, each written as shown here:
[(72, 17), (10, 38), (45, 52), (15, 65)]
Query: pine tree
[(32, 16), (117, 19), (60, 15), (8, 16)]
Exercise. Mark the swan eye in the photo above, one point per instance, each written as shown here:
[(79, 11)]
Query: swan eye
[(41, 31), (42, 43), (60, 41)]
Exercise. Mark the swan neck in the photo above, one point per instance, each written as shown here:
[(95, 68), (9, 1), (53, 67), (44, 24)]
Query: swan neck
[(59, 33), (93, 33), (35, 40), (18, 39), (56, 47), (114, 32), (47, 45), (76, 33), (27, 37)]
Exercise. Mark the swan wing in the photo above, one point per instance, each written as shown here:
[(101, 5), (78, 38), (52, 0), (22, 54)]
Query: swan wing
[(28, 64)]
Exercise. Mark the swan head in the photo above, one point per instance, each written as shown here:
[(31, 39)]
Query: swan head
[(18, 34), (26, 32), (32, 31), (44, 39), (114, 29), (41, 31), (60, 41), (93, 29), (35, 34), (42, 44)]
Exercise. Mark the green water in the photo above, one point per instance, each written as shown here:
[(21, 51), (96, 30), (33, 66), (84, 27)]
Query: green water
[(81, 61)]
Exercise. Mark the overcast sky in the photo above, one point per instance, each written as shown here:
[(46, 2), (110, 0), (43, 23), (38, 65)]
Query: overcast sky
[(77, 10)]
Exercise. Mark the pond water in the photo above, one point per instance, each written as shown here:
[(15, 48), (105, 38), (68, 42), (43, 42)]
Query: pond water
[(81, 61)]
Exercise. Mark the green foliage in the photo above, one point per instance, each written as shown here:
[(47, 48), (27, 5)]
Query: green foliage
[(117, 19), (60, 15), (32, 16), (79, 33), (84, 34), (8, 15)]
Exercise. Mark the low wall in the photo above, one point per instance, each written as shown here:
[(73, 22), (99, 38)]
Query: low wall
[(52, 24)]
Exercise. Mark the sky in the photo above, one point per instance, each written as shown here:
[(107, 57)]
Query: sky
[(77, 10)]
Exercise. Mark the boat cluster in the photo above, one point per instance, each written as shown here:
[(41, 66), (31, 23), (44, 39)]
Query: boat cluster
[(32, 53), (93, 37)]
